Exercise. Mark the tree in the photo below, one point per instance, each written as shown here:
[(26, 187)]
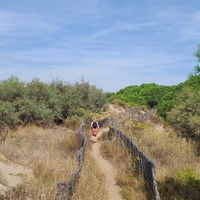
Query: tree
[(185, 116), (194, 78), (197, 54)]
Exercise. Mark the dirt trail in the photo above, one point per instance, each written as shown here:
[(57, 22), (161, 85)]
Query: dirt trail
[(12, 174), (108, 170)]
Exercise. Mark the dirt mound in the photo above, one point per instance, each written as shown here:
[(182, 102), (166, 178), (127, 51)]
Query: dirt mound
[(113, 109), (12, 174)]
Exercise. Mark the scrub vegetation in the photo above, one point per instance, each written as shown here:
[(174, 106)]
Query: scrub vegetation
[(42, 119), (44, 104)]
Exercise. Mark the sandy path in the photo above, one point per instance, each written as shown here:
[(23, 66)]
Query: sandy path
[(108, 170)]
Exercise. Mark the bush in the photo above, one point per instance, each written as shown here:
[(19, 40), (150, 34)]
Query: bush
[(41, 103), (12, 89), (8, 114), (73, 122), (188, 176), (184, 185)]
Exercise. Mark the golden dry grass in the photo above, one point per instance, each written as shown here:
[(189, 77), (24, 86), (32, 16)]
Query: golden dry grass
[(132, 185), (171, 154), (169, 151), (160, 143), (46, 154), (92, 182), (50, 153)]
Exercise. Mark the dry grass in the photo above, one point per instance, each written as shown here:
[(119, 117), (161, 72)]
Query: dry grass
[(2, 180), (171, 154), (169, 151), (47, 154), (112, 110), (132, 185), (92, 183), (51, 154)]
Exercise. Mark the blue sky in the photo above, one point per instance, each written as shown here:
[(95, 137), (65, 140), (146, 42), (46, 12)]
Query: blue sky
[(111, 43)]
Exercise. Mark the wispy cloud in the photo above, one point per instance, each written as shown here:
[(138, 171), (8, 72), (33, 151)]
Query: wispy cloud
[(111, 45)]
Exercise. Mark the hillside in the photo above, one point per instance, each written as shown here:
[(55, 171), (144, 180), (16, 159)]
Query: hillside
[(158, 141)]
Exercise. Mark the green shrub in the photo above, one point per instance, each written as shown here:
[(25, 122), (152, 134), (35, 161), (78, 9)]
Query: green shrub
[(184, 185), (120, 103), (8, 114), (40, 103), (74, 122), (188, 176), (80, 112), (12, 89)]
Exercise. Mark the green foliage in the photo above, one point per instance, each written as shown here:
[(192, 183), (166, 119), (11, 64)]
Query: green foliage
[(193, 81), (8, 114), (188, 175), (149, 95), (11, 89), (129, 94), (31, 112), (178, 104), (38, 91), (194, 78), (185, 116), (162, 98), (74, 122), (120, 103), (40, 103), (80, 112), (165, 106), (197, 55), (88, 115), (184, 185), (89, 97)]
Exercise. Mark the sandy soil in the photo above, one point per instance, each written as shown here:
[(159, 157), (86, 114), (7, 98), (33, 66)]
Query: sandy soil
[(12, 174), (114, 110), (108, 170)]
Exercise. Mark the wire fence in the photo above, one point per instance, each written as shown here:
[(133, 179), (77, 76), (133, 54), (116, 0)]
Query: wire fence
[(66, 189)]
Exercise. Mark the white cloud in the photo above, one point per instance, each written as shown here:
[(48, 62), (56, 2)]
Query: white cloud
[(111, 45)]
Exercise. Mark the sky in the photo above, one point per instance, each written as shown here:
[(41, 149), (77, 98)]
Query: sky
[(112, 44)]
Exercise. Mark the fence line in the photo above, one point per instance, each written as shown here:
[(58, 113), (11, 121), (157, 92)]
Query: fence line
[(66, 189), (135, 113), (145, 165)]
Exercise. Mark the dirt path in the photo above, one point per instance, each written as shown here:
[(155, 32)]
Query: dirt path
[(108, 170)]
